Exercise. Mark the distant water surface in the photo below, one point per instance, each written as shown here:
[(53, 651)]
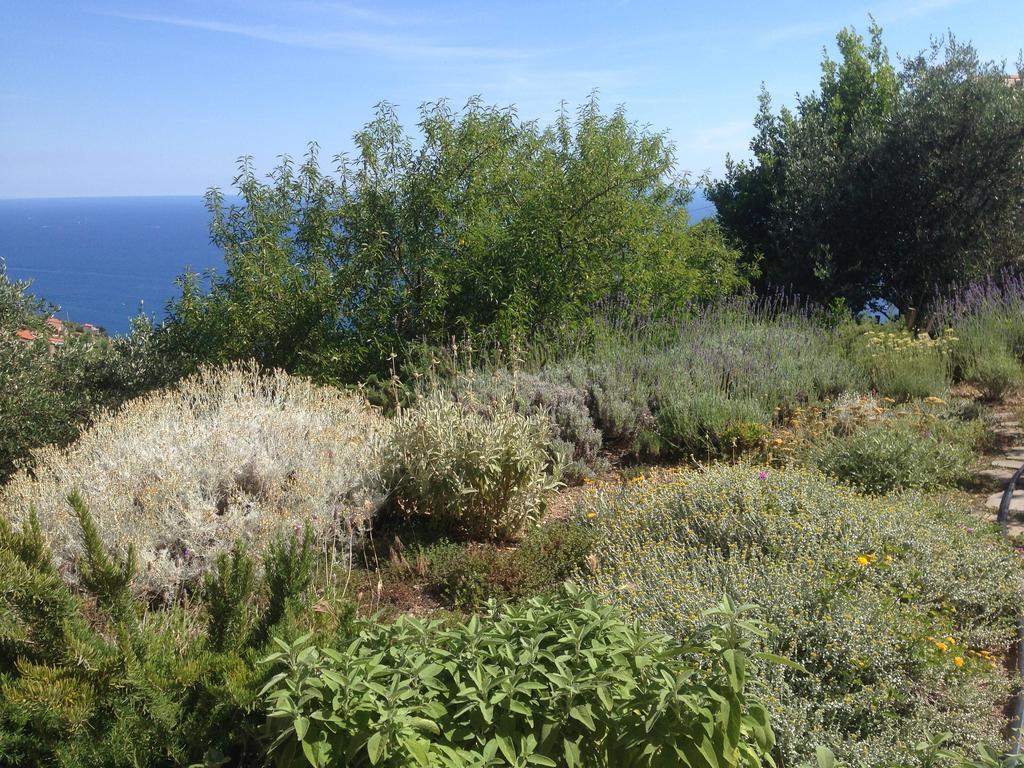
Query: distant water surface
[(98, 258)]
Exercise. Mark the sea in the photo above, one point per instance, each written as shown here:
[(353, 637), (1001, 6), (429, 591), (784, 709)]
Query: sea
[(102, 260)]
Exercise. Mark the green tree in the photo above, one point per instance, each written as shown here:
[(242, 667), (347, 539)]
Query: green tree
[(489, 223), (48, 396), (884, 184)]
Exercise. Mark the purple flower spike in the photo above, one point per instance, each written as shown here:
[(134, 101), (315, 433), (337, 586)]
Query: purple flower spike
[(762, 475)]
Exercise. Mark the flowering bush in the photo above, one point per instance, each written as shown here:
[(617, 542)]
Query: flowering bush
[(898, 364), (989, 318), (921, 447), (473, 474), (858, 591), (182, 474)]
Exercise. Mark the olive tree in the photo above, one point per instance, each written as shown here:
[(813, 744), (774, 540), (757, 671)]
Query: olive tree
[(889, 183)]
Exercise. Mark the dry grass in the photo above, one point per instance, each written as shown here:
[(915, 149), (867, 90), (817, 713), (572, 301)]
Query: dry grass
[(228, 454)]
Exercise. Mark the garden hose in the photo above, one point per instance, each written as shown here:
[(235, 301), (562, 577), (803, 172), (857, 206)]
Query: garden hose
[(1004, 525)]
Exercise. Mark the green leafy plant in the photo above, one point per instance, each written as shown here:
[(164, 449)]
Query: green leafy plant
[(98, 677), (467, 576), (557, 681), (901, 451), (470, 474), (884, 183), (481, 221)]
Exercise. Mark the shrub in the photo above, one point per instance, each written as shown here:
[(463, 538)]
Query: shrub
[(897, 364), (706, 383), (574, 437), (49, 397), (992, 368), (880, 600), (902, 451), (467, 577), (558, 681), (988, 317), (469, 474), (883, 183), (708, 424), (101, 678), (182, 474), (475, 221)]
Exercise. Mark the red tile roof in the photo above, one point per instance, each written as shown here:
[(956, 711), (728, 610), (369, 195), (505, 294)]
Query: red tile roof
[(26, 335), (56, 324)]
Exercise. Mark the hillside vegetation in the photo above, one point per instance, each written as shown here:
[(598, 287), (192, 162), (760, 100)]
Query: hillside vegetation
[(479, 453)]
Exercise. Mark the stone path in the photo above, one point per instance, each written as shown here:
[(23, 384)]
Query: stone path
[(1003, 469)]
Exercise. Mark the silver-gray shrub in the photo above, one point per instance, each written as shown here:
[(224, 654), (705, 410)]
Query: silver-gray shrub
[(789, 541), (687, 385), (472, 472), (574, 437), (182, 474)]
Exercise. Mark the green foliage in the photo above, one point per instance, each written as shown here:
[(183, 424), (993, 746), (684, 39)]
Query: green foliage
[(990, 366), (903, 451), (466, 577), (491, 223), (227, 590), (49, 397), (288, 566), (475, 475), (895, 363), (884, 184), (575, 439), (101, 679), (897, 607), (558, 681), (989, 323), (708, 383)]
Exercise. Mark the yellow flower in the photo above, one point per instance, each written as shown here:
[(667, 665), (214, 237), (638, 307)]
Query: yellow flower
[(942, 647), (935, 400), (591, 514), (959, 661), (862, 561)]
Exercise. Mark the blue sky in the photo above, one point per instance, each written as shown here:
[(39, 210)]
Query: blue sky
[(136, 97)]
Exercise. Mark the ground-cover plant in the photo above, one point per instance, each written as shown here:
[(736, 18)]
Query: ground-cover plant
[(183, 473), (563, 680), (924, 447), (896, 606), (99, 677), (467, 576), (468, 472)]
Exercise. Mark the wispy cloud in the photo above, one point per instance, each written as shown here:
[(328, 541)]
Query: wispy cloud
[(356, 12), (332, 39)]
